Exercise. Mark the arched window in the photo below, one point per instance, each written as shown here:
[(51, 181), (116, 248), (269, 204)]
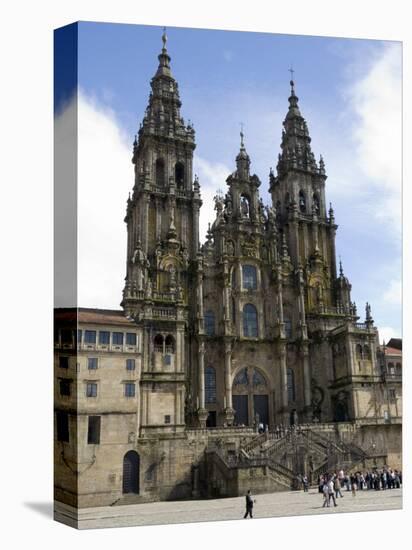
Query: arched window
[(160, 172), (302, 201), (391, 368), (210, 323), (245, 206), (366, 352), (359, 351), (210, 385), (249, 277), (241, 378), (158, 343), (291, 385), (258, 379), (398, 369), (170, 344), (180, 174), (316, 203), (250, 321)]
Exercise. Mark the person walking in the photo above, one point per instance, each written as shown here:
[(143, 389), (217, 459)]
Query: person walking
[(337, 487), (249, 505), (325, 490), (331, 491)]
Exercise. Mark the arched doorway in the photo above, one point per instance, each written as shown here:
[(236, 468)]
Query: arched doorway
[(250, 395), (131, 472)]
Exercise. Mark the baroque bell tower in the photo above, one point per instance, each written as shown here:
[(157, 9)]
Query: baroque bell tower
[(162, 220)]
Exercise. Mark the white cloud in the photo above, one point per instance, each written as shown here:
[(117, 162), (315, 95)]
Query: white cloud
[(212, 178), (375, 101), (105, 176), (386, 333), (393, 295)]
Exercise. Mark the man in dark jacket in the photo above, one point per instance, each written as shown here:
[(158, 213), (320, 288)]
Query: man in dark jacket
[(249, 505)]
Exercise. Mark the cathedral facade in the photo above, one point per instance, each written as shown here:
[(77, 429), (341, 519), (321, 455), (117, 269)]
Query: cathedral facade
[(254, 327)]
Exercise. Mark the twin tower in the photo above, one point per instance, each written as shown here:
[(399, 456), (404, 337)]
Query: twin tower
[(256, 324)]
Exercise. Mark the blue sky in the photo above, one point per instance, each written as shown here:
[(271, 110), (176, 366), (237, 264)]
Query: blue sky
[(349, 92)]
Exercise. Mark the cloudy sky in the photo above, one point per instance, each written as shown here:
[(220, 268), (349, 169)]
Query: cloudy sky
[(349, 92)]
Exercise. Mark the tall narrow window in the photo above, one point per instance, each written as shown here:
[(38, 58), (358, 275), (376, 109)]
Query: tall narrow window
[(67, 336), (250, 321), (158, 343), (288, 328), (91, 389), (129, 389), (210, 385), (291, 385), (302, 201), (65, 387), (93, 432), (63, 362), (62, 425), (130, 364), (160, 172), (210, 323), (180, 174), (92, 363), (249, 277), (169, 344)]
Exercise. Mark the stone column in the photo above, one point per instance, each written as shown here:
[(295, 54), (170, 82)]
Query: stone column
[(202, 412), (306, 381), (229, 412), (283, 383)]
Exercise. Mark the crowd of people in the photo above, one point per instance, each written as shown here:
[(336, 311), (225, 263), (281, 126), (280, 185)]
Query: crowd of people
[(331, 485)]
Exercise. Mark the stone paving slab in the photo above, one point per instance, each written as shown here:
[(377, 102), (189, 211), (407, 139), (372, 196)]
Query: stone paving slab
[(291, 503)]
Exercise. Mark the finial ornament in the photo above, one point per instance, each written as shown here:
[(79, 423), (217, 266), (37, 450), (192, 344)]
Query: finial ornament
[(340, 267), (164, 38), (292, 82), (242, 135)]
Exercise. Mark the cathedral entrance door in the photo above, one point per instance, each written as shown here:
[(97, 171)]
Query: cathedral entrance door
[(240, 404), (250, 395), (261, 405), (131, 467)]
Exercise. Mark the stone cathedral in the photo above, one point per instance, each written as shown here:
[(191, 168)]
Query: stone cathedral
[(254, 328)]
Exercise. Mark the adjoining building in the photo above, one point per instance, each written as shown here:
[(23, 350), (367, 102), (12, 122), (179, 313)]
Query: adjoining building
[(253, 329)]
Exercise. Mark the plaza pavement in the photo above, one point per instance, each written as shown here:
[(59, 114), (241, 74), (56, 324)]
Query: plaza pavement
[(290, 503)]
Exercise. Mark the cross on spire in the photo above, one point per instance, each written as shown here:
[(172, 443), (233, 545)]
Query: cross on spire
[(242, 135), (291, 70)]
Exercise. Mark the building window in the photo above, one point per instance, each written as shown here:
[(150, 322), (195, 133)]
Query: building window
[(291, 385), (210, 385), (398, 369), (180, 174), (129, 389), (92, 363), (65, 387), (391, 368), (93, 432), (250, 322), (160, 172), (170, 344), (302, 202), (158, 343), (131, 338), (249, 277), (67, 336), (210, 323), (130, 364), (89, 336), (62, 421), (288, 328), (167, 419), (63, 362), (117, 338), (359, 351), (104, 337), (91, 389)]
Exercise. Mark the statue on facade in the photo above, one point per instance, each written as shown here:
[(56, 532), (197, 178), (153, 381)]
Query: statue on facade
[(244, 207)]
